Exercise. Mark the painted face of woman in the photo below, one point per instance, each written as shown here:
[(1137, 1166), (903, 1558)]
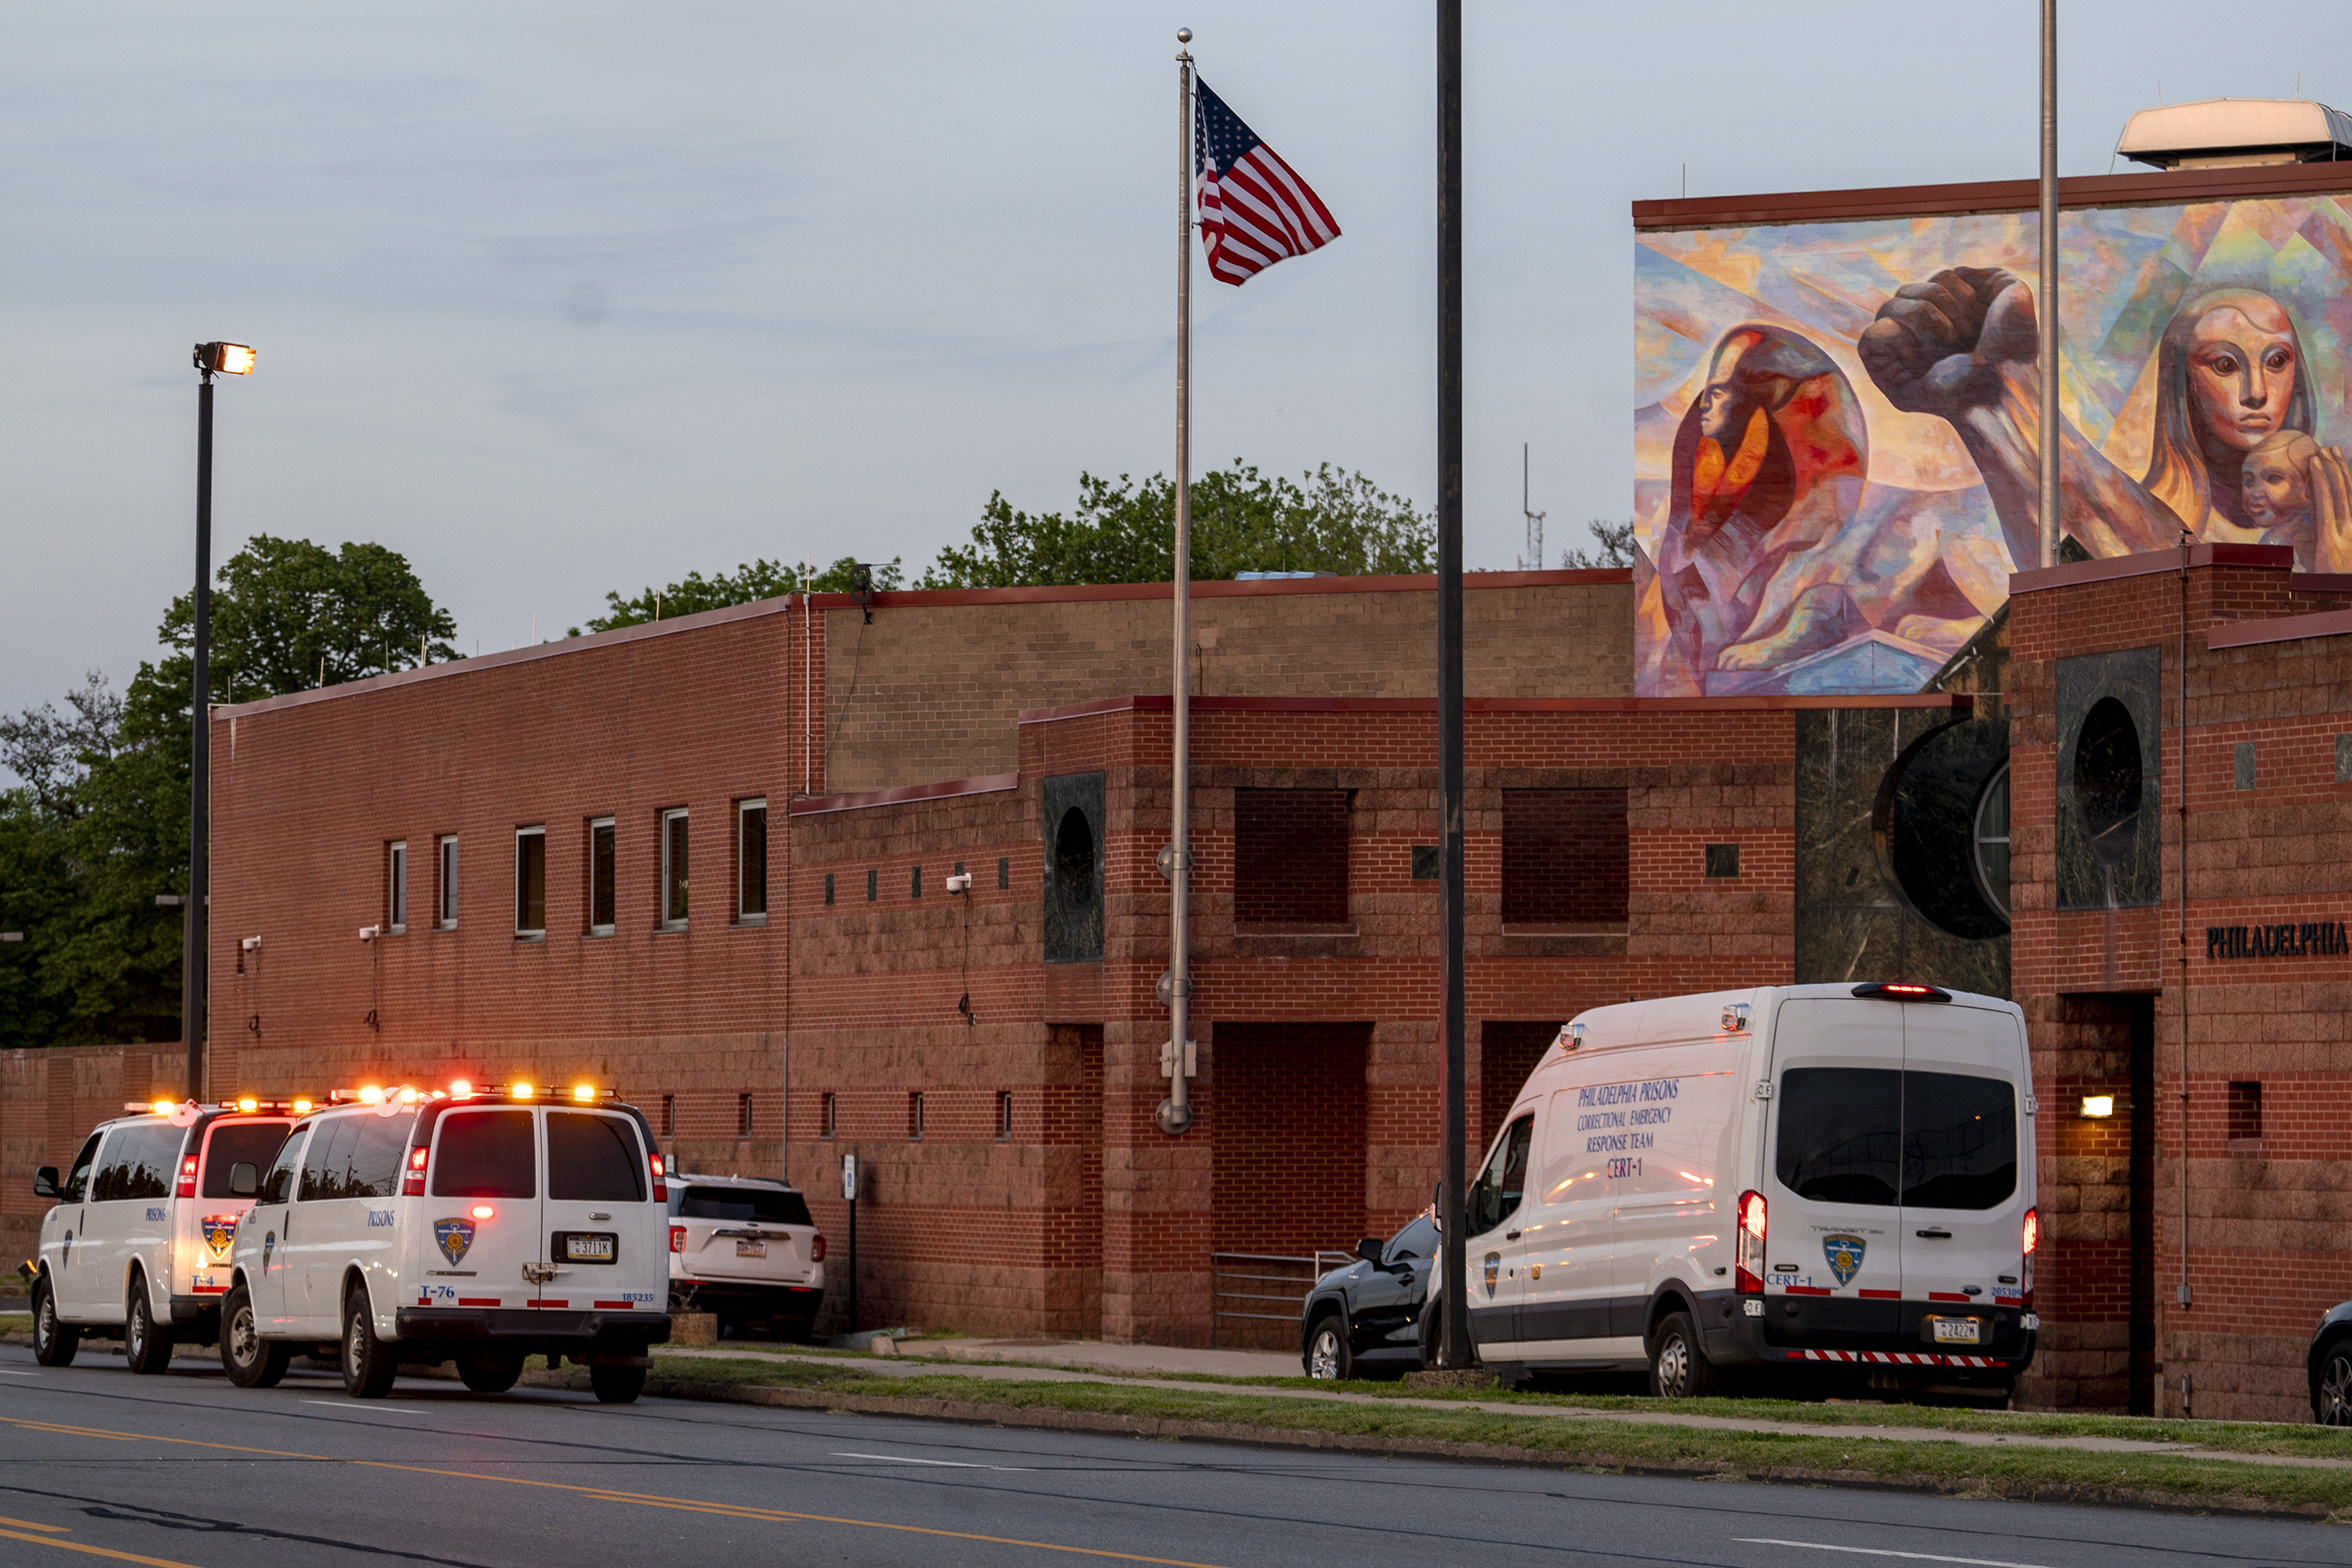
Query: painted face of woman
[(2241, 374)]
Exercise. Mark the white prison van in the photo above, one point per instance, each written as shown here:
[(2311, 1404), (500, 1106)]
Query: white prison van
[(449, 1225), (1793, 1177)]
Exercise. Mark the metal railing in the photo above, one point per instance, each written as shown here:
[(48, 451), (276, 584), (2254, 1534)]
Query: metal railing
[(1251, 1291)]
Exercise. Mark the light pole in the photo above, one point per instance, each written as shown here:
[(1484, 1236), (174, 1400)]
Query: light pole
[(211, 360)]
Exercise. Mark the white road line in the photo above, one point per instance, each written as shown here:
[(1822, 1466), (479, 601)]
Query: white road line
[(1882, 1552), (945, 1464), (357, 1408), (19, 1374)]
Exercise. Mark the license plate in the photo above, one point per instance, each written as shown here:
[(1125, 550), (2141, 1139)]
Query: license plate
[(1956, 1330), (750, 1249), (588, 1249)]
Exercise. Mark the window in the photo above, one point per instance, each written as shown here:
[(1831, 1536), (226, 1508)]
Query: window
[(593, 1159), (355, 1157), (669, 1116), (743, 1115), (751, 862), (1959, 1141), (445, 886), (140, 1161), (1495, 1198), (278, 1186), (254, 1143), (396, 887), (1564, 857), (828, 888), (78, 1178), (600, 876), (2242, 766), (531, 883), (745, 1205), (1722, 860), (1290, 857), (1003, 873), (915, 1117), (1004, 1116), (672, 869), (1878, 1137), (2246, 1113), (828, 1119), (915, 886), (872, 885), (484, 1154), (1990, 861), (1428, 862), (1419, 1238)]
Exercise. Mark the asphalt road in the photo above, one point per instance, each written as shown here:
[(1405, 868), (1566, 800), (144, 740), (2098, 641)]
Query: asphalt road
[(98, 1466)]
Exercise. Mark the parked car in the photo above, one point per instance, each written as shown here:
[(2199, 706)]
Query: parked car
[(137, 1244), (744, 1249), (1366, 1318), (478, 1227), (2330, 1367)]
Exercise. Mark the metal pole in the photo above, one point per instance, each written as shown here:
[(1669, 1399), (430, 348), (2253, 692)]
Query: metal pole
[(1175, 1113), (194, 954), (1456, 1323), (2180, 863), (2047, 303)]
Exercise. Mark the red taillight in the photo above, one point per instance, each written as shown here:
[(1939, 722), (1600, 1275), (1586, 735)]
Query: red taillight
[(1748, 1265), (661, 1192), (816, 1248), (411, 1178), (2031, 1237), (187, 1187), (677, 1238)]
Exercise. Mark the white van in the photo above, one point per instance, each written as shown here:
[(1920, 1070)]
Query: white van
[(451, 1226), (1792, 1176), (137, 1246)]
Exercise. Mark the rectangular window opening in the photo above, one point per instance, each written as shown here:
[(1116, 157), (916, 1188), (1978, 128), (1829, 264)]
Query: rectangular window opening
[(828, 889), (1290, 857), (872, 885), (601, 899), (1723, 859), (2246, 1113), (669, 1116), (743, 1115), (2242, 766), (672, 869), (396, 887), (1565, 855), (1003, 872), (751, 862), (1004, 1116), (828, 1116), (915, 1117), (530, 883), (914, 882), (444, 882)]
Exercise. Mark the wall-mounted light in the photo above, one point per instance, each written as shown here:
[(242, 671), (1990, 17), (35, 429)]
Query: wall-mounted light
[(250, 944), (2098, 1107)]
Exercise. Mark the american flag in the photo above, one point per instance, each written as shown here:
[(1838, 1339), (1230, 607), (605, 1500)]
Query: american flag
[(1254, 209)]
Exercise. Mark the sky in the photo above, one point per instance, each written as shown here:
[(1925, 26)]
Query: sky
[(557, 299)]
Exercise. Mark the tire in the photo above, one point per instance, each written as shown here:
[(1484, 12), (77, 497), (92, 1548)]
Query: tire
[(54, 1340), (250, 1361), (368, 1367), (1326, 1355), (145, 1346), (1678, 1365), (2331, 1395), (617, 1384), (1432, 1337), (488, 1373)]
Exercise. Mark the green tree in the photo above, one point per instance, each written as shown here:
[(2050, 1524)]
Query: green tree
[(756, 580), (1241, 521), (1615, 542)]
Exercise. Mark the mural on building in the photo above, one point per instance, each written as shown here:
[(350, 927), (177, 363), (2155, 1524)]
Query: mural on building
[(1837, 424)]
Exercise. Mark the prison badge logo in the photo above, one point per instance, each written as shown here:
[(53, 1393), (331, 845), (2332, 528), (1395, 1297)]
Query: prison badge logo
[(220, 1232), (452, 1236), (1844, 1255), (1493, 1266), (269, 1245)]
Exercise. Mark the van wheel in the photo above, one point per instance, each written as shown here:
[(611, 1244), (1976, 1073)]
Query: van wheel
[(54, 1342), (2331, 1399), (617, 1384), (250, 1361), (490, 1373), (368, 1367), (1327, 1355), (1678, 1367), (147, 1348)]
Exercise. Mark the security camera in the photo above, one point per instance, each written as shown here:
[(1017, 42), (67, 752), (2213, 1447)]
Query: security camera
[(959, 882), (251, 944), (368, 933)]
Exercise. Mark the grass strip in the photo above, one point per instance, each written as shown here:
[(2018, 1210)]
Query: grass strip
[(1850, 1456)]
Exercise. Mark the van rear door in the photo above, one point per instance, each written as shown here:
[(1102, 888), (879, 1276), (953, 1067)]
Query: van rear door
[(1832, 1171), (481, 1216), (1965, 1187), (205, 1229), (604, 1241)]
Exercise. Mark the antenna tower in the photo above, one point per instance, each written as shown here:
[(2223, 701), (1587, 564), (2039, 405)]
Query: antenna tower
[(1533, 560)]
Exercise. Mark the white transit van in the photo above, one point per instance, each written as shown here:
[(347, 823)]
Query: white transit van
[(137, 1246), (1802, 1176), (438, 1225)]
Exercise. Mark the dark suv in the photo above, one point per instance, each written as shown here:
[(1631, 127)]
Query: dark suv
[(1366, 1318), (2330, 1367)]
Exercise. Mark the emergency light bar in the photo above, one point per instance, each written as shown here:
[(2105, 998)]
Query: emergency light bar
[(464, 1088), (1903, 991), (245, 1104)]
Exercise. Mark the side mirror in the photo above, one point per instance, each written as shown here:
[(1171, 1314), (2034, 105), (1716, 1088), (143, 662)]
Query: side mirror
[(44, 1181), (1368, 1250), (244, 1181)]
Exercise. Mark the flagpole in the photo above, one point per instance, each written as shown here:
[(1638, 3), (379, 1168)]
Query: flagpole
[(1454, 1323), (1175, 1113)]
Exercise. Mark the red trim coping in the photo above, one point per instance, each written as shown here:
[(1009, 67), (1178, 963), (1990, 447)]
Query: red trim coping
[(2277, 557), (2320, 582), (2180, 186), (2281, 628), (1223, 588), (1150, 703), (984, 784)]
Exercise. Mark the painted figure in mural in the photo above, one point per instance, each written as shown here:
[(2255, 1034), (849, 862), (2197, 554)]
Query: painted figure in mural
[(1767, 464), (2229, 376), (2287, 485)]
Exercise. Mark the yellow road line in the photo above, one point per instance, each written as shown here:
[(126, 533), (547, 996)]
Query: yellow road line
[(28, 1524), (608, 1494), (92, 1550), (78, 1431)]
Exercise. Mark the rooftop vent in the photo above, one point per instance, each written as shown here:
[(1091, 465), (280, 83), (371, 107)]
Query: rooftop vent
[(2237, 132)]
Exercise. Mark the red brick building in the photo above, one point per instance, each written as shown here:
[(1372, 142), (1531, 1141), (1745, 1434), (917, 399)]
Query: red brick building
[(707, 862)]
